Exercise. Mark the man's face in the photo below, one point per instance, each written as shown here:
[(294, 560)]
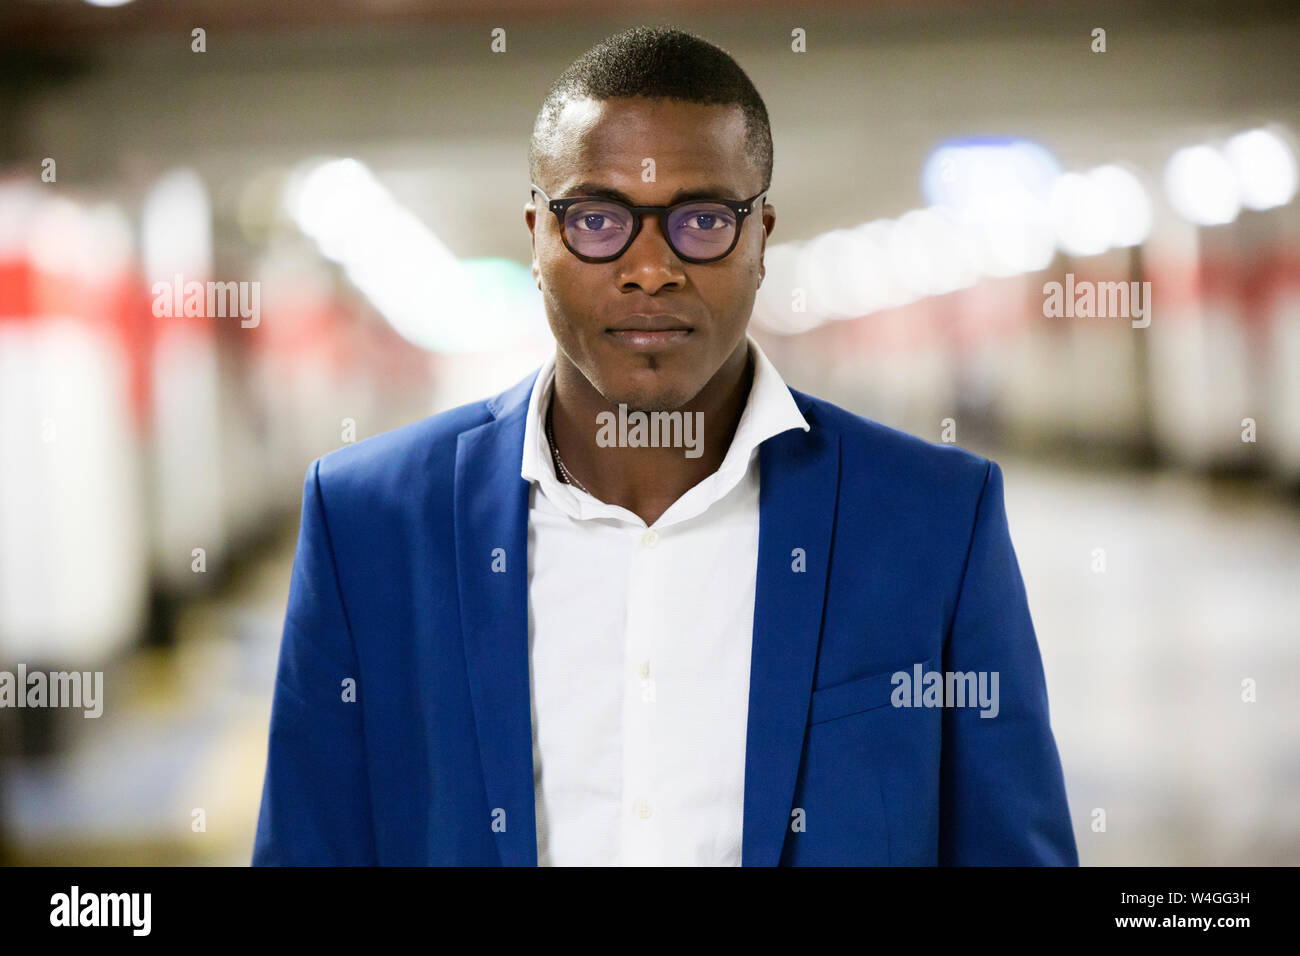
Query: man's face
[(696, 149)]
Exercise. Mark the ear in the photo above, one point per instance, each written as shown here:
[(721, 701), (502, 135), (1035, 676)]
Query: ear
[(530, 220), (769, 223)]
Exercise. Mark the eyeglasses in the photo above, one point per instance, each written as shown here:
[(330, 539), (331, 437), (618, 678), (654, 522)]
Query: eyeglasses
[(697, 230)]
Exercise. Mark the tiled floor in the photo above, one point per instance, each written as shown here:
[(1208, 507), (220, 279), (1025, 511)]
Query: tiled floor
[(1145, 662)]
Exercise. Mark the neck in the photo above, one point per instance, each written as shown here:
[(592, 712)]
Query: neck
[(646, 480)]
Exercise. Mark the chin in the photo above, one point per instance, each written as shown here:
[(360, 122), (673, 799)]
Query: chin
[(665, 398), (642, 389), (641, 402)]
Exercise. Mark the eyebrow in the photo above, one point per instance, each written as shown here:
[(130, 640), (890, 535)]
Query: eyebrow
[(682, 195)]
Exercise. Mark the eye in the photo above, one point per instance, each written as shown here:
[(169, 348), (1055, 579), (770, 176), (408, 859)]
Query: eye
[(596, 217), (708, 220)]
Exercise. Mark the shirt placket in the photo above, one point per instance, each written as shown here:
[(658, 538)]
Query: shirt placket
[(642, 817)]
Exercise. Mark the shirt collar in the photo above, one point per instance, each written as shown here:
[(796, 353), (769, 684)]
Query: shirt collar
[(769, 410)]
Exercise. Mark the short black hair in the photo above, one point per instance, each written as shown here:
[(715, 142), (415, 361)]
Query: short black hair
[(657, 62)]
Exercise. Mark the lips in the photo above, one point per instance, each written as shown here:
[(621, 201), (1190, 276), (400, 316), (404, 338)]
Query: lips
[(650, 322)]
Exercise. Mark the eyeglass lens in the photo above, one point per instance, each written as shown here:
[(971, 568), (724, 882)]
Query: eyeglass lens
[(698, 230)]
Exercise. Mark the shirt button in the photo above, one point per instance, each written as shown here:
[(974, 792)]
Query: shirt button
[(643, 809), (650, 538)]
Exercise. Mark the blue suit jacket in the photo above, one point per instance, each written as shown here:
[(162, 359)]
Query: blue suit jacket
[(906, 559)]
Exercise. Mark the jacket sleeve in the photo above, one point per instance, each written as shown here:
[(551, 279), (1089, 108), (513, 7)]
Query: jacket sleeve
[(1002, 792), (315, 807)]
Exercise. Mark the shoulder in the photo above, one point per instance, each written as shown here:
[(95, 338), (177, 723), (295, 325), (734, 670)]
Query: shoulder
[(888, 457), (414, 459)]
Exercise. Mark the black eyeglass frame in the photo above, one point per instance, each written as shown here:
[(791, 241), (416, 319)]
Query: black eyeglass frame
[(741, 208)]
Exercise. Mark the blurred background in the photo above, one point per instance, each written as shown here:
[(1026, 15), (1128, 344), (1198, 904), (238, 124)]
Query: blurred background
[(356, 172)]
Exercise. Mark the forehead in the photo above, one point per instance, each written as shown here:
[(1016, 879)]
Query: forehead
[(607, 141)]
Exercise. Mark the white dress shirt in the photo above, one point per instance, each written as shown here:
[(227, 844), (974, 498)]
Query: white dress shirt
[(639, 648)]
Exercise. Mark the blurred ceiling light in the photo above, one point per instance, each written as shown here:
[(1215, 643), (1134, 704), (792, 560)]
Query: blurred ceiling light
[(875, 284), (828, 267), (1102, 209), (999, 208), (108, 3), (781, 306), (1128, 203), (930, 255), (1014, 232), (956, 261), (1265, 168), (1201, 186), (1081, 214), (998, 191), (510, 293), (176, 228), (417, 283), (908, 257), (963, 172)]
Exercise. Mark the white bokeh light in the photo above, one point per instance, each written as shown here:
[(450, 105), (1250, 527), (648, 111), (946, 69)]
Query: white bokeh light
[(1128, 202), (409, 275), (1081, 215), (1105, 208), (1265, 168), (1201, 186)]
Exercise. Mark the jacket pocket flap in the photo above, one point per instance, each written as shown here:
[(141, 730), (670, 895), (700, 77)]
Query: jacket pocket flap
[(863, 693)]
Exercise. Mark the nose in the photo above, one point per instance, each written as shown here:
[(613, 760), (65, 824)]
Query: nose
[(650, 264)]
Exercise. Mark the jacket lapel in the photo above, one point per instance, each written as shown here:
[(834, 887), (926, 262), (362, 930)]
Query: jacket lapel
[(799, 484), (491, 521)]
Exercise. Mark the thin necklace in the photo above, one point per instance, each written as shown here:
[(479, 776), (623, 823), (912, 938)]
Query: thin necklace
[(565, 474)]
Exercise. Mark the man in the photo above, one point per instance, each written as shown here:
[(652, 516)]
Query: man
[(650, 605)]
